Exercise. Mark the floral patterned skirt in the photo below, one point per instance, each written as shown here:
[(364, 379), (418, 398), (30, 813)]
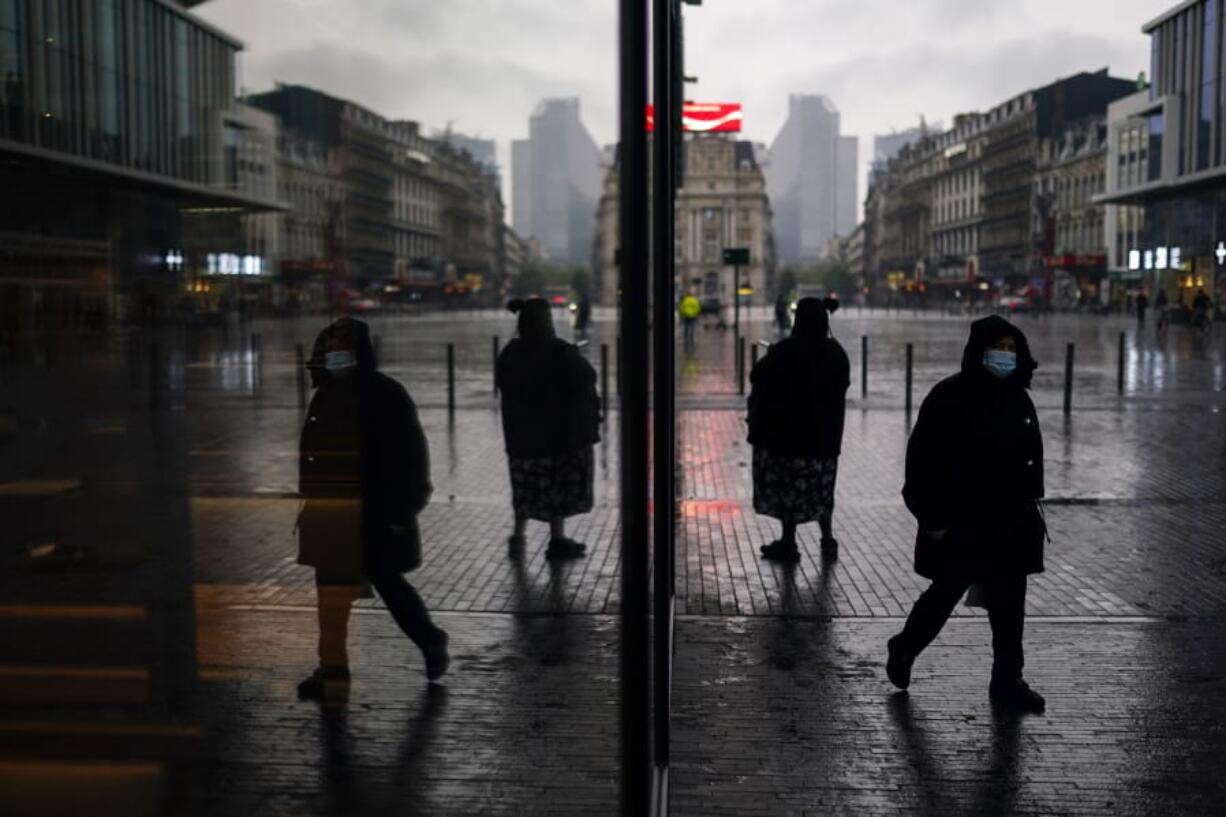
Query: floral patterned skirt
[(791, 489), (546, 488)]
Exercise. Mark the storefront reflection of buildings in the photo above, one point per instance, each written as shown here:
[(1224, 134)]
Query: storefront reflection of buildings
[(1166, 167)]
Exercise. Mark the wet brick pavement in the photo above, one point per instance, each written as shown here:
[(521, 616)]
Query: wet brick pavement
[(781, 706)]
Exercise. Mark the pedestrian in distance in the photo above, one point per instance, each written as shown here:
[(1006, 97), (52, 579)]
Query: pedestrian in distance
[(783, 312), (974, 476), (797, 405), (1142, 304), (364, 475), (1162, 316), (689, 309), (550, 421), (583, 315)]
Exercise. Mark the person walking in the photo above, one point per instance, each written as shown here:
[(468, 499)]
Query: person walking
[(796, 410), (1162, 315), (364, 475), (974, 475), (1142, 304), (689, 309), (783, 312), (550, 421)]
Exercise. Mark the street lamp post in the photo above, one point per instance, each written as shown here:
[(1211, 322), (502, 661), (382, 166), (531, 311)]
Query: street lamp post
[(737, 257)]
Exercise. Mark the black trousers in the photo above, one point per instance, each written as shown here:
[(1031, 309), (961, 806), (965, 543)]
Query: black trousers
[(336, 595), (1006, 613)]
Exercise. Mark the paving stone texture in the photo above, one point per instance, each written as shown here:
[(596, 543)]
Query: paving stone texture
[(177, 454)]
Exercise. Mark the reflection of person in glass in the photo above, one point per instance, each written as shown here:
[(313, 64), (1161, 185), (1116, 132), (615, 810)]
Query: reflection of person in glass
[(796, 413), (550, 418), (974, 478), (364, 473)]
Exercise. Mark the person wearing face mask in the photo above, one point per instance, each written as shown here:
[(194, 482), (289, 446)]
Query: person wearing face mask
[(364, 475), (974, 475)]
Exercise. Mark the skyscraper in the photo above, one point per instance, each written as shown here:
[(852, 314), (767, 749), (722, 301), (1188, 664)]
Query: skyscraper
[(809, 165), (846, 186), (556, 179)]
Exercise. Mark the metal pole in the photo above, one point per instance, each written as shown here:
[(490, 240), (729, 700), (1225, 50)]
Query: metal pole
[(864, 367), (753, 357), (1068, 379), (664, 342), (604, 380), (451, 379), (300, 362), (1120, 377), (617, 365), (736, 299), (740, 366), (910, 359), (633, 228), (494, 375)]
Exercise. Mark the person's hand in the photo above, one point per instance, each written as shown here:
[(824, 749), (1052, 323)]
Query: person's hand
[(937, 535)]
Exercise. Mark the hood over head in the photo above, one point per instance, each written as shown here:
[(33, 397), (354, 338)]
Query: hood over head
[(812, 320), (535, 318), (985, 332), (357, 333)]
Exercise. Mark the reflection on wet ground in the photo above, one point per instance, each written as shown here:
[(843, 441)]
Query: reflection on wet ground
[(153, 622)]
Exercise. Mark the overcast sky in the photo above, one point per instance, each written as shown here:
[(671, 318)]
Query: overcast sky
[(482, 65)]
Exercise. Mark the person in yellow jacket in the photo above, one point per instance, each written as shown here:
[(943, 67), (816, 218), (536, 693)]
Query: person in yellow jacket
[(689, 309)]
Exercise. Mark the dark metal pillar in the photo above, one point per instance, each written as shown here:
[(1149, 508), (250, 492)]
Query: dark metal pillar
[(633, 233), (664, 21)]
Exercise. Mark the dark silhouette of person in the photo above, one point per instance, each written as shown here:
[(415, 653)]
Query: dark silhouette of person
[(796, 410), (1200, 309), (974, 475), (583, 314), (550, 421), (783, 312), (1142, 304), (364, 474)]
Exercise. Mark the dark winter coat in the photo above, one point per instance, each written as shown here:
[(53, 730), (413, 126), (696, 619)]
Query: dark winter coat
[(549, 400), (798, 398), (364, 470), (975, 468)]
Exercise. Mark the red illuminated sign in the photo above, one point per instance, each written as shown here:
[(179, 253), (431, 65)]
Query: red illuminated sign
[(705, 117)]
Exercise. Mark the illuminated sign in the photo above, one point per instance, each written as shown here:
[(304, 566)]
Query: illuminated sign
[(174, 259), (1159, 258), (705, 117), (1220, 252), (226, 263)]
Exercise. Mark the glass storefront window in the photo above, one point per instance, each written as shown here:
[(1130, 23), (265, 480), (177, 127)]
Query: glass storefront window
[(1204, 127), (1157, 128)]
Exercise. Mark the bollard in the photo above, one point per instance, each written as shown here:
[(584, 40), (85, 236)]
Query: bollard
[(740, 358), (910, 360), (450, 378), (617, 363), (604, 380), (1068, 380), (495, 375), (300, 359), (863, 367), (1120, 378)]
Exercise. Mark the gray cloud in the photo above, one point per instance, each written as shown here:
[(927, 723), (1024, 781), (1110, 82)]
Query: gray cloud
[(484, 64)]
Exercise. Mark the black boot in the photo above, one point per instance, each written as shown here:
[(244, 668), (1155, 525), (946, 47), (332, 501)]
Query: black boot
[(830, 548), (564, 548), (330, 684), (1016, 694), (898, 665), (781, 550), (437, 657)]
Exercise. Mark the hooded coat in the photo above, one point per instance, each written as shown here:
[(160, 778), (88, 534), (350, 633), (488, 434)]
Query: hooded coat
[(797, 402), (549, 402), (364, 468), (975, 467)]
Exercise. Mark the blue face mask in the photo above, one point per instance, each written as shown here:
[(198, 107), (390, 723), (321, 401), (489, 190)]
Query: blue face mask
[(1000, 364)]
